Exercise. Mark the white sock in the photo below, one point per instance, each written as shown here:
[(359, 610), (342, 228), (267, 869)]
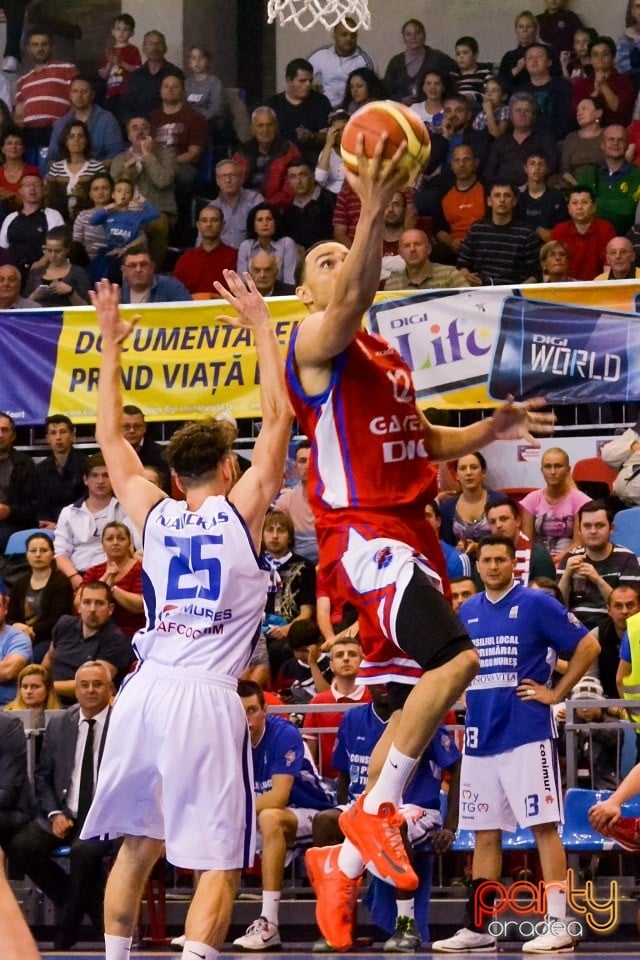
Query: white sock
[(350, 861), (395, 772), (193, 948), (271, 905), (406, 908), (117, 948), (556, 894)]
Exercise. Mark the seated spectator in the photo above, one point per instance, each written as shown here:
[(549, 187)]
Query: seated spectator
[(35, 693), (405, 71), (141, 284), (142, 94), (457, 561), (182, 134), (292, 590), (92, 635), (622, 603), (597, 751), (13, 167), (332, 63), (302, 112), (58, 283), (199, 268), (469, 77), (205, 93), (548, 513), (329, 172), (462, 204), (15, 651), (103, 130), (540, 206), (396, 220), (16, 808), (69, 178), (264, 268), (308, 219), (289, 792), (39, 598), (553, 95), (582, 148), (306, 671), (123, 574), (499, 249), (234, 201), (345, 657), (363, 85), (616, 89), (295, 501), (577, 62), (64, 786), (430, 107), (557, 26), (464, 517), (150, 453), (122, 220), (524, 136), (615, 182), (585, 235), (10, 285), (513, 72), (346, 215), (620, 260), (533, 561), (587, 574), (152, 174), (42, 94), (419, 272), (92, 240), (264, 233), (628, 45), (461, 589), (78, 544), (119, 61), (554, 262), (22, 232), (266, 157), (623, 454), (494, 116), (18, 491)]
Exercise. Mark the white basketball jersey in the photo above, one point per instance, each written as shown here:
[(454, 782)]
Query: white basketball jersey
[(204, 592)]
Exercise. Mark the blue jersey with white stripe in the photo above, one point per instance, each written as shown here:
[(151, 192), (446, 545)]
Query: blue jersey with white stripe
[(282, 750), (517, 637)]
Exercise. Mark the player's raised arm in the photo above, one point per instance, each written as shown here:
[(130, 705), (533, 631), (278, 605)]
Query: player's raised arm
[(136, 494), (350, 289), (258, 486)]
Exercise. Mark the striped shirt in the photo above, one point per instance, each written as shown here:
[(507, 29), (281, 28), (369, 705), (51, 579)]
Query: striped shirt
[(44, 94), (500, 254)]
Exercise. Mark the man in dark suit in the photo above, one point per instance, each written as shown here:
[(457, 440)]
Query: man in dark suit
[(134, 429), (64, 783), (16, 798), (264, 267)]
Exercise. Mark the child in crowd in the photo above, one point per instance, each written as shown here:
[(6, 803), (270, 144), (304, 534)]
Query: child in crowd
[(119, 60), (205, 93), (494, 116), (469, 78), (122, 221)]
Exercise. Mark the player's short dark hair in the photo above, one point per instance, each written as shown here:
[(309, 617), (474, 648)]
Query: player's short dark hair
[(248, 688), (303, 633), (593, 507), (469, 42), (291, 70), (303, 445), (59, 418), (96, 585), (507, 502), (95, 460), (196, 451), (497, 540)]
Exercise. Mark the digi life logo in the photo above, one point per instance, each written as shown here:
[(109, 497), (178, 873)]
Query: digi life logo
[(383, 557)]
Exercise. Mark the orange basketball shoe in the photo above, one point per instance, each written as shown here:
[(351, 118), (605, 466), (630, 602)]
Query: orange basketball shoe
[(379, 842), (336, 896), (626, 832)]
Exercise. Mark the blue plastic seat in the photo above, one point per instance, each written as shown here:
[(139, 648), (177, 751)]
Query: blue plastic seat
[(17, 542), (627, 529), (578, 836)]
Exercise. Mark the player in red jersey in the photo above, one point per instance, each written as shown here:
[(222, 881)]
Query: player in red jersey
[(370, 479)]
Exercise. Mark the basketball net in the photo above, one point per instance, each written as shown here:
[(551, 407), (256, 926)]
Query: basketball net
[(305, 14)]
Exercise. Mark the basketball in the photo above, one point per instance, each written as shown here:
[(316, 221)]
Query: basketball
[(399, 123)]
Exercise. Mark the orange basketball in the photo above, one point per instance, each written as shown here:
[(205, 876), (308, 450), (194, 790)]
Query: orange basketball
[(399, 123)]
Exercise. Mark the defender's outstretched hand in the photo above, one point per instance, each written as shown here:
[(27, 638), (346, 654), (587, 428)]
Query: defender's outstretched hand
[(519, 421), (603, 815), (243, 296), (106, 299)]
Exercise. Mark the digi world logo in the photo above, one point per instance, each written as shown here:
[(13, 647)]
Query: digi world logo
[(527, 906)]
